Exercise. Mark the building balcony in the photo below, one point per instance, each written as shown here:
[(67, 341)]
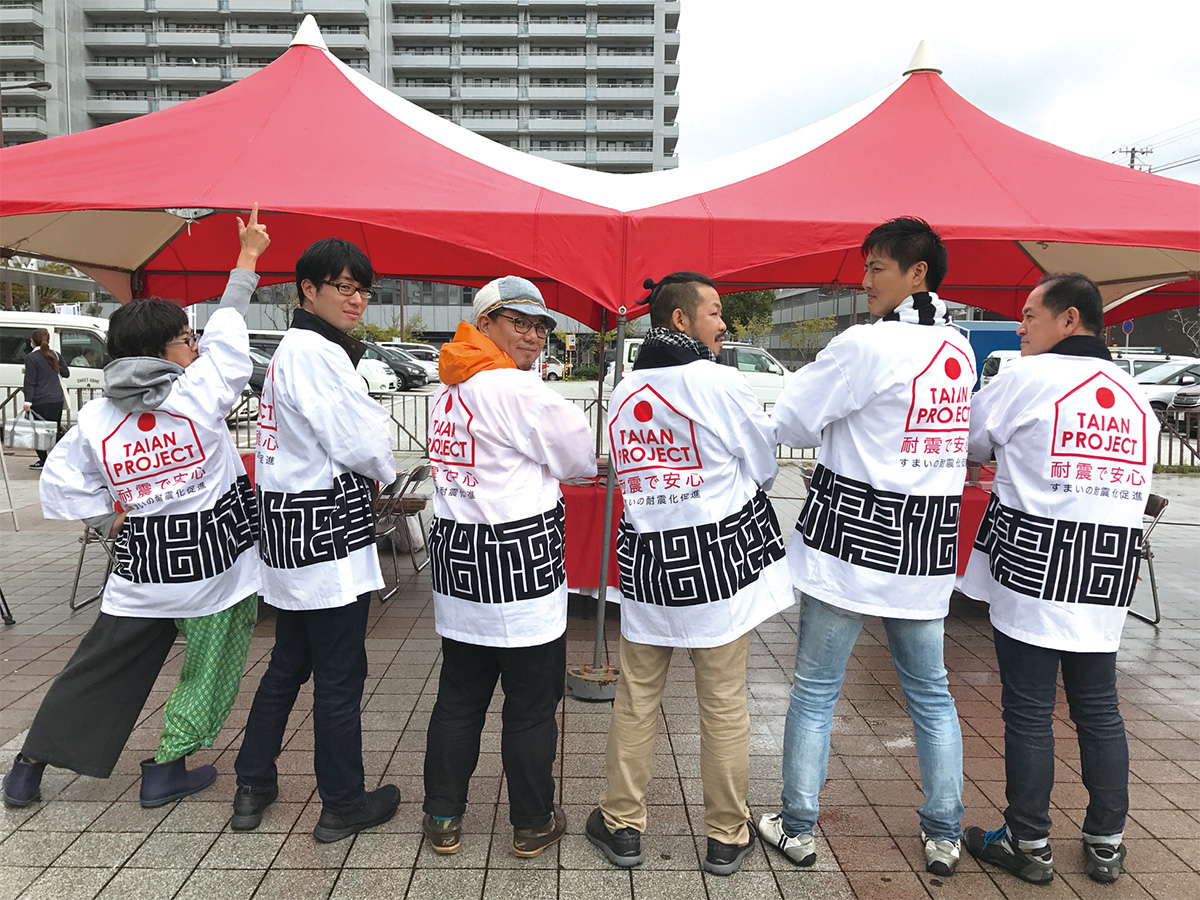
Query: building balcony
[(421, 29), (625, 126), (625, 29), (27, 126), (105, 40), (434, 61), (492, 4), (545, 125), (189, 73), (116, 73), (625, 157), (262, 40), (191, 7), (548, 61), (263, 6), (15, 20), (22, 52), (489, 92), (562, 156), (106, 109), (192, 39), (557, 29), (328, 9), (489, 126), (507, 61), (111, 6), (557, 93), (345, 41), (639, 63), (424, 94), (237, 73), (625, 93), (488, 29)]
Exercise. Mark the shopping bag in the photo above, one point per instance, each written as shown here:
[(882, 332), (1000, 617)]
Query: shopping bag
[(29, 431)]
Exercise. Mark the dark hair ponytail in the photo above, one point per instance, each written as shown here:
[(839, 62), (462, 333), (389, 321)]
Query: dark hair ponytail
[(41, 337)]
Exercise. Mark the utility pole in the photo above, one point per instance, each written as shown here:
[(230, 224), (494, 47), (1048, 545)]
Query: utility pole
[(1134, 153)]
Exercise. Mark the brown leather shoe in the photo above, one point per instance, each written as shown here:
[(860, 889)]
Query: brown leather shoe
[(529, 842)]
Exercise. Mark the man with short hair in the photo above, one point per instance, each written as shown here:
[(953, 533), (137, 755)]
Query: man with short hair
[(889, 406), (499, 443), (322, 441), (1056, 558), (702, 562)]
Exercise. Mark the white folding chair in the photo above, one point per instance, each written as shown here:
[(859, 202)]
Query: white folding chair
[(398, 504), (1155, 507), (107, 544)]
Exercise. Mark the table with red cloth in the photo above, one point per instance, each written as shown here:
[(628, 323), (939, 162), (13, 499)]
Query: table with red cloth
[(585, 528)]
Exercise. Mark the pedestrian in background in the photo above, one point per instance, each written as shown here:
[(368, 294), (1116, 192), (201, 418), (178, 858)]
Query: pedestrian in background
[(44, 372)]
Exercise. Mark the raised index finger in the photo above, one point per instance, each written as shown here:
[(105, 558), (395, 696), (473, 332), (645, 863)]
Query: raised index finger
[(253, 216)]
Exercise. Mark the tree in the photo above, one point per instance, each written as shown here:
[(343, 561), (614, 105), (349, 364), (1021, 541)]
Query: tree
[(414, 330), (810, 335), (1190, 326), (752, 330), (745, 311)]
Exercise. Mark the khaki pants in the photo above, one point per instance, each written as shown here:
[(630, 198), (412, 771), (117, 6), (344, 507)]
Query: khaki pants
[(724, 736)]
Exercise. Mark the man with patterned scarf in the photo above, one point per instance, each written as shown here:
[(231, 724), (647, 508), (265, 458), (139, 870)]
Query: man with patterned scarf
[(702, 563), (889, 406)]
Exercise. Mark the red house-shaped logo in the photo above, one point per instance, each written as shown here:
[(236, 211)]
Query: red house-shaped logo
[(1099, 419), (148, 445), (649, 433), (941, 394), (450, 440)]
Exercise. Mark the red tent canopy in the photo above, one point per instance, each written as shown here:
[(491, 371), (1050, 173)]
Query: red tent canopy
[(146, 205)]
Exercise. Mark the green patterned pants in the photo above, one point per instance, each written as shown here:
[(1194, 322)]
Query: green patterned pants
[(212, 672)]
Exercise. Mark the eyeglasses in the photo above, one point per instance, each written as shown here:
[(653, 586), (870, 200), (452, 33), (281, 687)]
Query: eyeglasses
[(191, 341), (523, 325), (348, 290)]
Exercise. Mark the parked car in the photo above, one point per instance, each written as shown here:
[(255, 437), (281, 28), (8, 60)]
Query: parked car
[(430, 367), (1162, 381), (82, 341), (1187, 404), (765, 373), (378, 375), (552, 368), (409, 372)]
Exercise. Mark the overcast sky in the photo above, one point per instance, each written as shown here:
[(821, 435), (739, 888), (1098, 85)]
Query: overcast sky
[(1088, 76)]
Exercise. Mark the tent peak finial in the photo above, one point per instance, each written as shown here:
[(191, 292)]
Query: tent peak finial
[(309, 35), (923, 61)]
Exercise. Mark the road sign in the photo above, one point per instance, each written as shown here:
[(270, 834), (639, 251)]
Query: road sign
[(570, 342), (1127, 326)]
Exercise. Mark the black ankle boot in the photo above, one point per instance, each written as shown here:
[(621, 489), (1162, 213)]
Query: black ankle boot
[(22, 785), (164, 782)]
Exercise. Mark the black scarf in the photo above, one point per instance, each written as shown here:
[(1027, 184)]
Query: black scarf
[(1082, 345), (302, 318), (665, 347)]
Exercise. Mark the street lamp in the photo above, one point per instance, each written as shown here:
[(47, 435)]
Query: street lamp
[(20, 86)]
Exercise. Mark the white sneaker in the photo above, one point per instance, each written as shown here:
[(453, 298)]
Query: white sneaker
[(941, 857), (801, 849)]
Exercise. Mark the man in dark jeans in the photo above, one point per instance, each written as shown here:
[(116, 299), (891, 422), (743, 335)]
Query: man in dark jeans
[(322, 440), (1056, 558)]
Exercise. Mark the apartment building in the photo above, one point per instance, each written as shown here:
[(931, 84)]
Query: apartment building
[(586, 82)]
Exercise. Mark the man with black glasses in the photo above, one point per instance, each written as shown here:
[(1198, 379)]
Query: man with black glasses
[(322, 440), (499, 442)]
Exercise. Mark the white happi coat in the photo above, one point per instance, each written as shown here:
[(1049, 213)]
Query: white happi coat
[(322, 440), (187, 547), (499, 443), (700, 550), (1058, 551), (889, 406)]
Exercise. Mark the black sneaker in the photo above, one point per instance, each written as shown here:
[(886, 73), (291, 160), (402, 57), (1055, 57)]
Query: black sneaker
[(36, 465), (377, 807), (529, 842), (623, 847), (248, 807), (1103, 862), (997, 848), (725, 859), (443, 836)]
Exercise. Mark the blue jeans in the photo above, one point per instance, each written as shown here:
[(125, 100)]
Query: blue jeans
[(827, 635), (329, 645), (1029, 680)]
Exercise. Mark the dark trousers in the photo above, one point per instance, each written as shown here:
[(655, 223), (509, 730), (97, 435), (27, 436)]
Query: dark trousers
[(329, 645), (51, 412), (1028, 676), (93, 705), (532, 679)]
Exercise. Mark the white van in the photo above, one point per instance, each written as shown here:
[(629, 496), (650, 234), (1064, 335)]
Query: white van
[(765, 373), (994, 362), (81, 341), (377, 374)]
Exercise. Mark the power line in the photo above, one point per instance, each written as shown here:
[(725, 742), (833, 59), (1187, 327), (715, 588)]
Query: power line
[(1168, 131), (1175, 165)]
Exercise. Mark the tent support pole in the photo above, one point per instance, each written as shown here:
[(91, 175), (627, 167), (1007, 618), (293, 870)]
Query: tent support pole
[(599, 681), (600, 381)]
